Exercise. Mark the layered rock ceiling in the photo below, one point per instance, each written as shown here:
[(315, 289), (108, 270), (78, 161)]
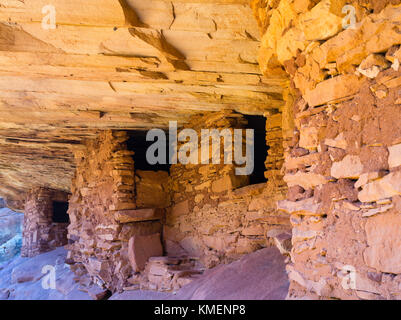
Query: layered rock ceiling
[(111, 64)]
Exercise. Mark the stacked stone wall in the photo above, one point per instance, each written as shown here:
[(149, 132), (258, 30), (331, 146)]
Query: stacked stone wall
[(103, 211), (40, 233), (216, 215), (342, 163)]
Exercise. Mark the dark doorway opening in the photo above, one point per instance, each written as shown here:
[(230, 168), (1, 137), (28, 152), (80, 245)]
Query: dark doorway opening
[(258, 124), (137, 143), (60, 214)]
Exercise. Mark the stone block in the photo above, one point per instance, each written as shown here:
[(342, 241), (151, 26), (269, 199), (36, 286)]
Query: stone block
[(333, 89), (255, 230), (151, 189), (384, 243), (383, 188), (337, 142), (394, 159), (141, 248), (260, 203), (350, 167), (229, 182), (122, 206), (365, 178), (181, 208), (305, 180), (309, 138), (126, 216), (282, 240), (219, 243), (307, 207)]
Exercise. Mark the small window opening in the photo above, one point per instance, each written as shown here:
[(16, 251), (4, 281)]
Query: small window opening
[(137, 143), (258, 124)]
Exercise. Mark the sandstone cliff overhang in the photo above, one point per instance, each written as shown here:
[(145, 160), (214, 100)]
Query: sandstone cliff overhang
[(117, 65)]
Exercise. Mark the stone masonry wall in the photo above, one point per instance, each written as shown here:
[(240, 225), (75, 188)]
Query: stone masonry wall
[(40, 233), (215, 214), (103, 211), (275, 155), (342, 165), (212, 213)]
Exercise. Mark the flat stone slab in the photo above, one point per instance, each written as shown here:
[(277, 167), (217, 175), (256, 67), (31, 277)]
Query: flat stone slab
[(165, 260), (141, 248), (260, 275), (126, 216)]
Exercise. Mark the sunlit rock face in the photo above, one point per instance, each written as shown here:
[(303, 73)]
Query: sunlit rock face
[(10, 233)]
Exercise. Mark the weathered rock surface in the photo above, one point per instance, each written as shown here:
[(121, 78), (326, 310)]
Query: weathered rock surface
[(22, 278), (258, 276), (384, 242), (10, 233)]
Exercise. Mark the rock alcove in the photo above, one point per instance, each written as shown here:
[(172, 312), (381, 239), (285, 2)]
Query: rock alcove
[(323, 98)]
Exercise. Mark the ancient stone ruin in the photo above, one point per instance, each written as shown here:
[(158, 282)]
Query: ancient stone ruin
[(44, 226), (318, 82)]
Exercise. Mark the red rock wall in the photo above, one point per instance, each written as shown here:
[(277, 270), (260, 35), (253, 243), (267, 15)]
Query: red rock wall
[(40, 233), (342, 164)]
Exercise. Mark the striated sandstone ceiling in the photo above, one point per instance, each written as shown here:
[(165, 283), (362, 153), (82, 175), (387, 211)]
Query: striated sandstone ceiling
[(121, 64)]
